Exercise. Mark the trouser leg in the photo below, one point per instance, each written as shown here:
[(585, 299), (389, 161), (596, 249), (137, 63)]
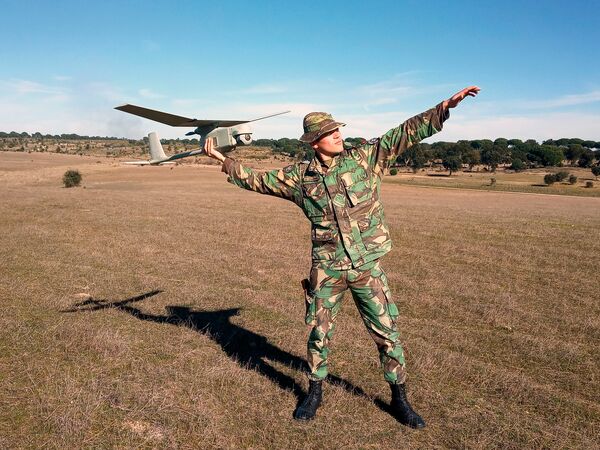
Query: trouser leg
[(371, 293), (326, 291)]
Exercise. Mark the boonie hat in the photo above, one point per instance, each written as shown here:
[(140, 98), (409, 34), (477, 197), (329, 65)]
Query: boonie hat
[(316, 124)]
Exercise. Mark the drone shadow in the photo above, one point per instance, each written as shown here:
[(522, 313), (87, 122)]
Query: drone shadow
[(248, 349)]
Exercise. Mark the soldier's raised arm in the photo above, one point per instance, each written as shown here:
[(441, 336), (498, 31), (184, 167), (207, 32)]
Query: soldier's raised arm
[(397, 140), (284, 183)]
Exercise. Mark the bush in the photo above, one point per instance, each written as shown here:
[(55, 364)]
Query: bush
[(550, 179), (71, 178), (589, 184), (572, 179), (562, 175), (517, 165), (394, 171), (596, 170)]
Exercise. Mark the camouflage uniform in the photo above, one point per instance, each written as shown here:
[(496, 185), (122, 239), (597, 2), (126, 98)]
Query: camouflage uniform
[(349, 235)]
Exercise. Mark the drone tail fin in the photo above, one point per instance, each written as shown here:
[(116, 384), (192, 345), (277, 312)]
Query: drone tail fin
[(156, 150)]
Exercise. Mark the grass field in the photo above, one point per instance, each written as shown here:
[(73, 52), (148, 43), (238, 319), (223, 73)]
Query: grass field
[(530, 181), (161, 307)]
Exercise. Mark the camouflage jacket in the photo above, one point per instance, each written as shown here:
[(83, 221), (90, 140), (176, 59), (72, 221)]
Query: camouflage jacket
[(342, 200)]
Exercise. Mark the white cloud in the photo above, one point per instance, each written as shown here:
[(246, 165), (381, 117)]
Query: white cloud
[(88, 109), (565, 100), (263, 89), (24, 87), (147, 93), (539, 126)]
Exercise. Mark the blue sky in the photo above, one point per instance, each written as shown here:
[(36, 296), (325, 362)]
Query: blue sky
[(64, 65)]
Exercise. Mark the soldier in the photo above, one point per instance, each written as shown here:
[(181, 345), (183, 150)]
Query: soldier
[(339, 192)]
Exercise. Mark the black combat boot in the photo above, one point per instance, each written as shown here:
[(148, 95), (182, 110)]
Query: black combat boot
[(402, 409), (308, 407)]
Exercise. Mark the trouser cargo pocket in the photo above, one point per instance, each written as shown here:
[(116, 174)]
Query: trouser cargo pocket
[(310, 317), (391, 306)]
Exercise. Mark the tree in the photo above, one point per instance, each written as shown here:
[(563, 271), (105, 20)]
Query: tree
[(452, 162), (596, 171), (548, 155), (586, 159), (501, 142), (561, 176), (471, 157), (492, 157), (517, 165), (573, 153), (549, 179), (415, 157)]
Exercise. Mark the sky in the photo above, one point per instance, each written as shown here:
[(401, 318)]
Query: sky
[(65, 65)]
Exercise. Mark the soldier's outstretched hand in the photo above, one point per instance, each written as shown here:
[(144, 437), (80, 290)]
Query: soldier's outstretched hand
[(208, 149), (470, 91)]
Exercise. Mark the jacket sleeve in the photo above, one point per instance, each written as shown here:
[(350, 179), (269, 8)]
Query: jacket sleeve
[(284, 183), (397, 140)]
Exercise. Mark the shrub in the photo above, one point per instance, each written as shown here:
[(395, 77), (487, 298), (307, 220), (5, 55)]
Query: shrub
[(493, 181), (71, 178), (572, 179), (589, 184), (517, 165), (394, 171), (550, 178), (562, 175), (596, 170)]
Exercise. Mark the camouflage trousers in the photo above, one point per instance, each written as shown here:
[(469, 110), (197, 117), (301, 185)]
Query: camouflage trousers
[(324, 292)]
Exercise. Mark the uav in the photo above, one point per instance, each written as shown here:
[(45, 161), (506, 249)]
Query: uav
[(226, 134)]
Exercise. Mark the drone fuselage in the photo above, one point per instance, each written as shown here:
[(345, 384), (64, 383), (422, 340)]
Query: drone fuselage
[(227, 138)]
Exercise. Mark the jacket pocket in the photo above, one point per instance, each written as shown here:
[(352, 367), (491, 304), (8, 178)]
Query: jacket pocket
[(358, 189)]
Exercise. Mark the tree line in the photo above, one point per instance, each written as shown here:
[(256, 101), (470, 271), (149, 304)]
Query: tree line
[(512, 153)]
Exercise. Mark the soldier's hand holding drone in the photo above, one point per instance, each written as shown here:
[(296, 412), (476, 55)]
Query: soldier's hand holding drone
[(208, 149)]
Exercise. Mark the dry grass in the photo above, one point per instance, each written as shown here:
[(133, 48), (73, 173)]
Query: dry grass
[(530, 181), (498, 296)]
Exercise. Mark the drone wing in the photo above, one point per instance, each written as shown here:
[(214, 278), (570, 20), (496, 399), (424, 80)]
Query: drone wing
[(176, 121), (179, 121)]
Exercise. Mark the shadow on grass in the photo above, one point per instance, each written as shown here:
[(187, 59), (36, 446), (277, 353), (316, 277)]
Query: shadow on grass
[(247, 348)]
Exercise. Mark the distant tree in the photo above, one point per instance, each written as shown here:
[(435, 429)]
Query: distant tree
[(414, 157), (517, 165), (572, 179), (573, 152), (452, 162), (501, 142), (596, 171), (561, 176), (548, 155), (472, 157), (549, 179), (515, 142), (589, 144), (586, 159), (492, 156)]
